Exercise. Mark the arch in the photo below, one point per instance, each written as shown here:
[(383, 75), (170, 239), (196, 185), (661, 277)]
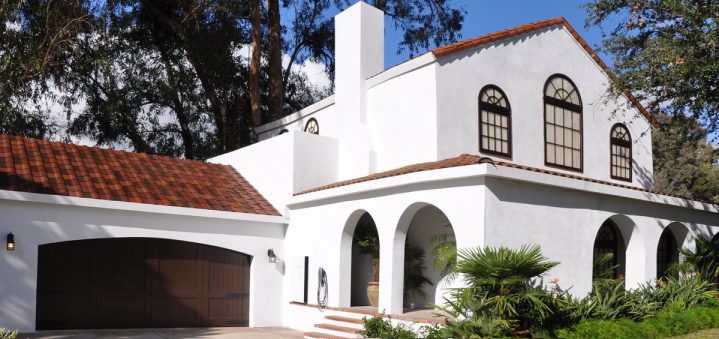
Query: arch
[(563, 124), (312, 126), (631, 256), (608, 245), (620, 153), (667, 252), (495, 122), (283, 131), (421, 227), (348, 259)]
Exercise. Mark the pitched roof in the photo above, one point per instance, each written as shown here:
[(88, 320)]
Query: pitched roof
[(531, 27), (468, 159), (38, 166)]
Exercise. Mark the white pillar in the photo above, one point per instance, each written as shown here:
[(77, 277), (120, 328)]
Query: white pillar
[(391, 274)]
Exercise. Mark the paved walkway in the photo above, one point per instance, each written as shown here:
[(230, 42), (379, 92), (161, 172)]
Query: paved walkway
[(162, 333)]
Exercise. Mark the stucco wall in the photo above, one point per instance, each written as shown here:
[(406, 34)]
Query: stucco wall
[(34, 224), (520, 67), (565, 224), (323, 111)]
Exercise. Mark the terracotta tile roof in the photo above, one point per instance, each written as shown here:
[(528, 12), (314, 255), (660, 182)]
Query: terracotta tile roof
[(523, 29), (468, 159), (38, 166)]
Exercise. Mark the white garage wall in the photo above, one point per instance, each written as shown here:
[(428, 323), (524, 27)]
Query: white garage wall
[(34, 224)]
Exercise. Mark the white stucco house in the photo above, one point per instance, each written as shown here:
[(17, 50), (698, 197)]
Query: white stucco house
[(501, 140)]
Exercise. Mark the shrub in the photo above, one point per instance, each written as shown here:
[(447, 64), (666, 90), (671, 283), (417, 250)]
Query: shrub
[(669, 322), (379, 327)]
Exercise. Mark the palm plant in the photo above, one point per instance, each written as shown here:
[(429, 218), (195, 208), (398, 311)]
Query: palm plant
[(414, 278), (499, 283), (704, 260), (445, 255)]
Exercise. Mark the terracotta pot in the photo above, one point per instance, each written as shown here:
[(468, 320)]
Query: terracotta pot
[(373, 293), (521, 334)]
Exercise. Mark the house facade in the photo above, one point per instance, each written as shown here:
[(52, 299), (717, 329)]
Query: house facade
[(505, 139)]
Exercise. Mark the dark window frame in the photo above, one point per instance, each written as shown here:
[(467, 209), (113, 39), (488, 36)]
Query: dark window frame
[(623, 143), (667, 252), (565, 105), (505, 111), (308, 125)]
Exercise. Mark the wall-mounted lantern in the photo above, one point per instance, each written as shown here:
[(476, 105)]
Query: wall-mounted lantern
[(271, 256), (10, 242)]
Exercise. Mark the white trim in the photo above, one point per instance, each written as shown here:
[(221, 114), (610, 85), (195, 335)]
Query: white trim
[(401, 69), (503, 172), (137, 207), (305, 112)]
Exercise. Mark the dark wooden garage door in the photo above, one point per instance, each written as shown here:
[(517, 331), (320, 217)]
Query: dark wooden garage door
[(138, 282)]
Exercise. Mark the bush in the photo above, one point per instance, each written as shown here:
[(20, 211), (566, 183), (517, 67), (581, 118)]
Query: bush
[(379, 327), (669, 322)]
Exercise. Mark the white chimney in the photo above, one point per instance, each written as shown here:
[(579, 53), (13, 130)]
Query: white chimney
[(359, 54)]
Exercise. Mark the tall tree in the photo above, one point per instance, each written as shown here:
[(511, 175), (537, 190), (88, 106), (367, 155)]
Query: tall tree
[(684, 162), (169, 76), (666, 52), (255, 62)]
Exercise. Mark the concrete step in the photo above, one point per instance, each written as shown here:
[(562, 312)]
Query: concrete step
[(345, 319), (338, 328), (319, 335)]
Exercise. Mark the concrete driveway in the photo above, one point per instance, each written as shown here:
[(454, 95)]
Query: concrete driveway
[(161, 333)]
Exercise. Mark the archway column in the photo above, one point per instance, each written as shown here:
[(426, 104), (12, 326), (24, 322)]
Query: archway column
[(391, 274)]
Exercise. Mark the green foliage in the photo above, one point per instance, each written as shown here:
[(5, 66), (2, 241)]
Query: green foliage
[(380, 327), (604, 267), (684, 162), (704, 260), (4, 334), (414, 268), (665, 52), (500, 295), (445, 255), (669, 322), (171, 76), (366, 237)]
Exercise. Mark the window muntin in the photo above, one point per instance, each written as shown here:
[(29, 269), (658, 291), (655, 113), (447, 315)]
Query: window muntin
[(562, 124), (620, 153), (312, 126), (495, 123)]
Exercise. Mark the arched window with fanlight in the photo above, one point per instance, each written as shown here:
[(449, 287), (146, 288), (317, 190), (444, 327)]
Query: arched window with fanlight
[(562, 124), (495, 122), (620, 153)]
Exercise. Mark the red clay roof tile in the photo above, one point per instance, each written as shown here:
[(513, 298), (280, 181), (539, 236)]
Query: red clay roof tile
[(527, 28), (466, 160), (38, 166)]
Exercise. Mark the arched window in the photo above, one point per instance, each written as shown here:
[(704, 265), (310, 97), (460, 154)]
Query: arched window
[(562, 124), (495, 123), (667, 253), (621, 153), (606, 252), (312, 126)]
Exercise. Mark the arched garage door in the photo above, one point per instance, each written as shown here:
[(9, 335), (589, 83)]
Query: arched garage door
[(138, 282)]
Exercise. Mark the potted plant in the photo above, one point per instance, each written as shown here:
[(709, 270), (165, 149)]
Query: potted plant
[(367, 241)]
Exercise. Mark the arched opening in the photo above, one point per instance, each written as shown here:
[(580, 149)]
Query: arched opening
[(429, 257), (667, 253), (365, 263), (609, 257)]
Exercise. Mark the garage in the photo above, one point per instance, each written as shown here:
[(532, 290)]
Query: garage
[(140, 282)]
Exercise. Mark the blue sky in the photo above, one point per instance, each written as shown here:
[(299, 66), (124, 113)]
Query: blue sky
[(486, 16)]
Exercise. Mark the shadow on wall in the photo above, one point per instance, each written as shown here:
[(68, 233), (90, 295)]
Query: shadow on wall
[(140, 283)]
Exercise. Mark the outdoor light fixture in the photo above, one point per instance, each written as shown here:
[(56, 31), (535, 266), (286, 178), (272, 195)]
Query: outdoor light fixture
[(271, 256), (10, 242)]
